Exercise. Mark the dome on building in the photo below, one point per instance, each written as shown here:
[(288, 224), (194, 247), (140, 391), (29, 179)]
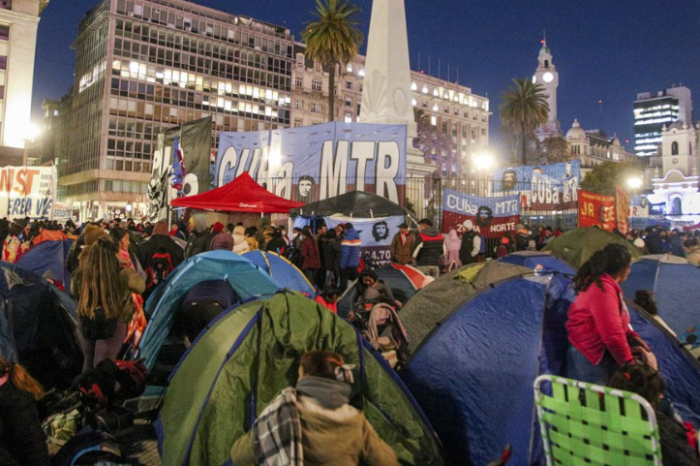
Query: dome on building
[(576, 132)]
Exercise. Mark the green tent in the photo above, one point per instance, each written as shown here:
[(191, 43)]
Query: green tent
[(575, 247), (250, 354), (436, 301)]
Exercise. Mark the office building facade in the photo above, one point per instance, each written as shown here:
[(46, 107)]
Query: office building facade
[(654, 111), (145, 65)]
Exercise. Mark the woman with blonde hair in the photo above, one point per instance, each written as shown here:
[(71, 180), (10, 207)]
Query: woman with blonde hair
[(22, 441), (102, 288)]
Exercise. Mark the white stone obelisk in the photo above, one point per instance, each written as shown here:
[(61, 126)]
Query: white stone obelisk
[(386, 94)]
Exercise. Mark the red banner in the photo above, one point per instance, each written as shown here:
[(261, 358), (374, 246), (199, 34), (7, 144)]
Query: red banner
[(496, 227), (622, 209), (596, 210)]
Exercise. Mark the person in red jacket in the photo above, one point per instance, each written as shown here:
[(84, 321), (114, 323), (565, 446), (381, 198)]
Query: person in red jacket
[(310, 255), (599, 323)]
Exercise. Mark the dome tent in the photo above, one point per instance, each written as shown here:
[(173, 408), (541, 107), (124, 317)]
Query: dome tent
[(473, 375), (250, 354), (38, 327), (48, 256), (674, 284), (246, 280), (286, 274), (537, 261), (576, 246), (424, 311)]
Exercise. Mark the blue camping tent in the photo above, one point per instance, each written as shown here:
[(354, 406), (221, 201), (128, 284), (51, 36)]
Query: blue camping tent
[(473, 374), (282, 271), (245, 278), (675, 285), (38, 327), (538, 261), (48, 256)]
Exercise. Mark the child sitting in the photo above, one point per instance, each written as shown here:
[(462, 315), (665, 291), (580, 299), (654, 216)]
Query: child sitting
[(678, 443)]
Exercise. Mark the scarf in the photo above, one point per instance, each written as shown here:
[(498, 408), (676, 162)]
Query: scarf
[(403, 238), (330, 394), (277, 432)]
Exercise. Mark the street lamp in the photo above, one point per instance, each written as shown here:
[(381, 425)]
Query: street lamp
[(635, 183), (483, 162), (30, 134)]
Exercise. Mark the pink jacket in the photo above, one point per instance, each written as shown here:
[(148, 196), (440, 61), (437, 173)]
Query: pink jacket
[(599, 319)]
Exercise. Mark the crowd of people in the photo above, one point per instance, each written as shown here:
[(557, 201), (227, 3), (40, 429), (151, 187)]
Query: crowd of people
[(116, 264)]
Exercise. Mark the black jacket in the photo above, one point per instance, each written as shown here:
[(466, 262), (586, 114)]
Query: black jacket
[(431, 242), (675, 449), (20, 429), (154, 244), (330, 254), (199, 242), (466, 247)]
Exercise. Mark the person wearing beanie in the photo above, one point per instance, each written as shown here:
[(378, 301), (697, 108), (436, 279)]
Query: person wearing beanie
[(471, 244), (640, 245), (222, 238), (200, 236)]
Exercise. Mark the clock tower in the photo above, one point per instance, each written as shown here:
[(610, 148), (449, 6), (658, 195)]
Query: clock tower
[(546, 76)]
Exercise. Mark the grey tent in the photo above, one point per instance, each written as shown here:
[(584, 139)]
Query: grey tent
[(357, 204), (435, 302)]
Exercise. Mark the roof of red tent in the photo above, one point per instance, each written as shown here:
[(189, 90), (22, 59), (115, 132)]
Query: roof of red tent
[(242, 194)]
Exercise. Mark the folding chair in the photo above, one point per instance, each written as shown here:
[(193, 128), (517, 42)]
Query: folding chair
[(586, 424)]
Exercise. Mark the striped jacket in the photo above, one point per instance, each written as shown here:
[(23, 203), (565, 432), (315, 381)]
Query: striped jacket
[(350, 249)]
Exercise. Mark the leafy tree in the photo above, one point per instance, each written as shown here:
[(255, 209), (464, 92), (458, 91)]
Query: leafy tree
[(553, 150), (523, 108), (603, 177), (333, 39)]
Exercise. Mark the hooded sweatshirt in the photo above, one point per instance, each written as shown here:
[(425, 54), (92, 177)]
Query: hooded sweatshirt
[(240, 245), (201, 237)]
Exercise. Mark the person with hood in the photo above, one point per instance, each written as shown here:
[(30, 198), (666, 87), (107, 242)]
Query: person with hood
[(102, 288), (16, 243), (522, 237), (159, 255), (22, 440), (452, 247), (313, 423), (471, 244), (402, 246), (222, 240), (240, 245), (200, 236), (275, 243), (350, 245), (430, 245)]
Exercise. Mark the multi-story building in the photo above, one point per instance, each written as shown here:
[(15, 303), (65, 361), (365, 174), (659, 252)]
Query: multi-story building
[(654, 111), (460, 117), (19, 21), (594, 147), (144, 65)]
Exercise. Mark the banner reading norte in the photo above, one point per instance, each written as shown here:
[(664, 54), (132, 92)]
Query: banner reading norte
[(318, 162), (493, 217)]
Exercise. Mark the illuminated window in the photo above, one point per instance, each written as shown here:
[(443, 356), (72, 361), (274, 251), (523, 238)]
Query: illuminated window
[(5, 33)]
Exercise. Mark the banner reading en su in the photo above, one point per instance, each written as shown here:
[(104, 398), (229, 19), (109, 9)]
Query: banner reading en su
[(596, 210)]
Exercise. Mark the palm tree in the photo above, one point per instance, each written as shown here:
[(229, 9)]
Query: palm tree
[(332, 39), (523, 108)]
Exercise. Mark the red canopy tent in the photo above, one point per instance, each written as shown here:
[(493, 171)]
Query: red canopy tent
[(242, 194)]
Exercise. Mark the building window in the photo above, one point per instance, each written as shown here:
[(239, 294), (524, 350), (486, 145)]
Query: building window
[(348, 102), (5, 33), (299, 81), (5, 4), (316, 86), (316, 107), (2, 92), (3, 63), (348, 117), (674, 146), (298, 104), (297, 122), (348, 84)]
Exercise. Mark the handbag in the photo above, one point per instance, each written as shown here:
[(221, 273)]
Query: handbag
[(98, 327)]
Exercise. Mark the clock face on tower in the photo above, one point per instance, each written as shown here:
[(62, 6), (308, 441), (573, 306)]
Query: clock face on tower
[(548, 77)]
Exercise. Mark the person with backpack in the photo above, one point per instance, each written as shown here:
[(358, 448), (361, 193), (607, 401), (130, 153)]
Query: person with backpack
[(430, 246), (22, 440), (159, 255)]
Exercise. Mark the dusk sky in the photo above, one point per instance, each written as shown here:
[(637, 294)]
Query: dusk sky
[(605, 50)]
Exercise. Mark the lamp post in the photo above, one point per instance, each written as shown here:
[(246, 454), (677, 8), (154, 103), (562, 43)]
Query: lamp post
[(483, 162)]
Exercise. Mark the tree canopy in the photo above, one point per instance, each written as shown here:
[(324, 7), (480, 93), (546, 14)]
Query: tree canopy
[(603, 178), (523, 108), (333, 39)]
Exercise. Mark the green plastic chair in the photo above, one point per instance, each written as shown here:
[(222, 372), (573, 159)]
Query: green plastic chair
[(586, 424)]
